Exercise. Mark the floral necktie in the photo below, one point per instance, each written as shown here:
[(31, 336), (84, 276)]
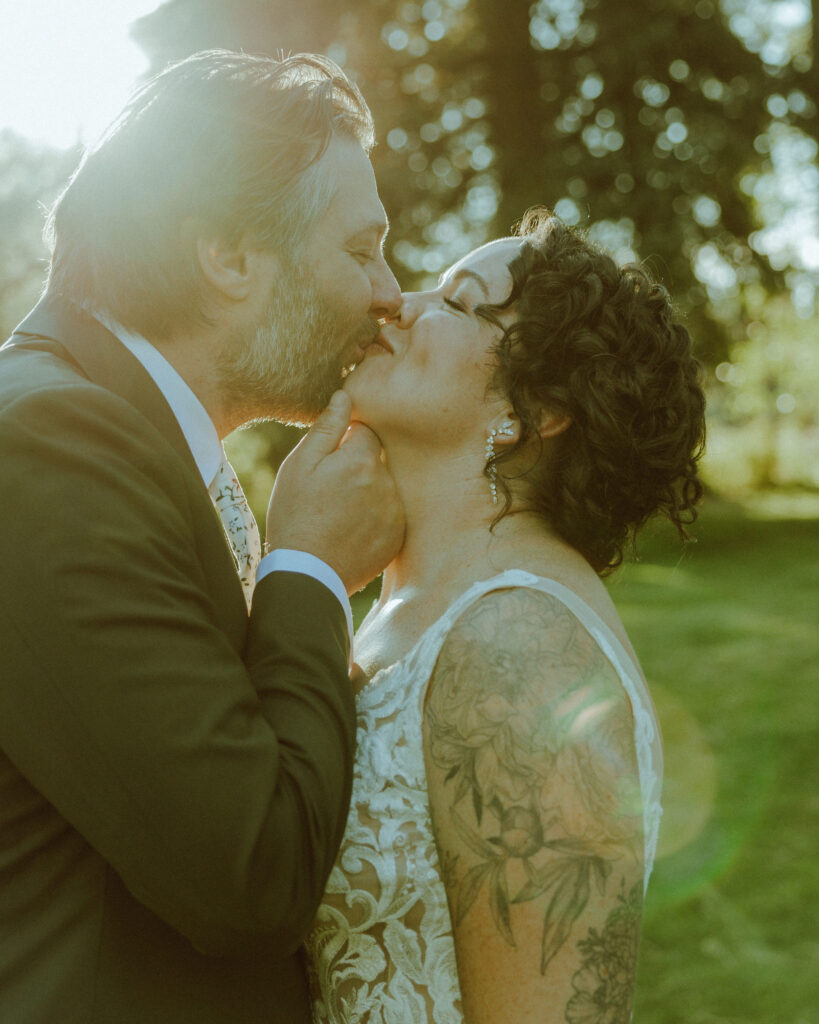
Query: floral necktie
[(240, 526)]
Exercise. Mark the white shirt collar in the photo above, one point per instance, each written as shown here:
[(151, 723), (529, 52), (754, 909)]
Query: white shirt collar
[(192, 417)]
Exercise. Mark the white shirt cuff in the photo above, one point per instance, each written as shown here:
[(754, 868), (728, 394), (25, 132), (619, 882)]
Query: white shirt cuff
[(288, 560)]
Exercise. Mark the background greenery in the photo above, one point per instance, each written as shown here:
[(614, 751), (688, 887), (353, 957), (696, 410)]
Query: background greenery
[(682, 133), (727, 637)]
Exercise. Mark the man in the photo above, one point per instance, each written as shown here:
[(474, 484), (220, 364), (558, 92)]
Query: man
[(176, 746)]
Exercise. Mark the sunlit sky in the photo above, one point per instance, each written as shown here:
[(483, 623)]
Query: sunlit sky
[(66, 66)]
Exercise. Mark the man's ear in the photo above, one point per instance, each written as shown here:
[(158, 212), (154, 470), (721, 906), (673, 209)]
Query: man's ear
[(225, 268), (234, 271)]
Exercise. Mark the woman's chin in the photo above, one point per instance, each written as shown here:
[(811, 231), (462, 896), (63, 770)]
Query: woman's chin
[(367, 388), (355, 383), (357, 393)]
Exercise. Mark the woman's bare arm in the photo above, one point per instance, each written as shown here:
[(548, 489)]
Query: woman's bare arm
[(535, 801)]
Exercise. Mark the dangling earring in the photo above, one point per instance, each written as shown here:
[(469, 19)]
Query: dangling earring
[(506, 429)]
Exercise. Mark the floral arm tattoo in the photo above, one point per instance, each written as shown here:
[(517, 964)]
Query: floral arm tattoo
[(535, 793)]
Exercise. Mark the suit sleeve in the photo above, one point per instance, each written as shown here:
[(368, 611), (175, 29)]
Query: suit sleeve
[(217, 786)]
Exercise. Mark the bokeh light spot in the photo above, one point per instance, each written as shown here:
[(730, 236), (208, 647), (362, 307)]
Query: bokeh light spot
[(397, 138), (707, 211), (690, 782), (481, 158), (677, 132), (396, 38), (567, 210), (679, 70), (591, 86), (777, 105)]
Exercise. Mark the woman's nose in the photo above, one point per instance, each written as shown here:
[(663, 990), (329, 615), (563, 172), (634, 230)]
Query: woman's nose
[(411, 305)]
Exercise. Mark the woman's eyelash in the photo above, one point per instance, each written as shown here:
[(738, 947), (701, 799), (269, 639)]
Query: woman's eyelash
[(455, 305)]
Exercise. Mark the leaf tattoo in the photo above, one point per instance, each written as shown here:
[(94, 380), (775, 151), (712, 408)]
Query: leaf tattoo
[(499, 903), (469, 889), (568, 902)]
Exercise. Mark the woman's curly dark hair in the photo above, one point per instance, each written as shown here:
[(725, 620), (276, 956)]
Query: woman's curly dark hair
[(598, 343)]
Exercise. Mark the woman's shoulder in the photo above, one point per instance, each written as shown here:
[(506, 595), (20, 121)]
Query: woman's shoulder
[(526, 635), (532, 605), (540, 624)]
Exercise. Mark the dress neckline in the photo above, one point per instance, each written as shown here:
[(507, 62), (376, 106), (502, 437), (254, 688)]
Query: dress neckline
[(563, 593)]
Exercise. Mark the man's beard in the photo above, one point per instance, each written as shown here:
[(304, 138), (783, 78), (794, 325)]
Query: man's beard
[(288, 368)]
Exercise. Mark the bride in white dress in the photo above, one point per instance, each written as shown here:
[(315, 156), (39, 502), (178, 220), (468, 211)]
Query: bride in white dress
[(535, 409)]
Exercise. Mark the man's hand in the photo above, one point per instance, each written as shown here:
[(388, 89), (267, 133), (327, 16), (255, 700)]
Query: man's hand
[(337, 501)]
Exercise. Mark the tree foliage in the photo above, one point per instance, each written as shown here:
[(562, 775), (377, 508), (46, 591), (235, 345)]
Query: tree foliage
[(30, 176), (652, 123)]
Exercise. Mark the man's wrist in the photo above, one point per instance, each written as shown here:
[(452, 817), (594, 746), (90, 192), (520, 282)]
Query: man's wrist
[(293, 560)]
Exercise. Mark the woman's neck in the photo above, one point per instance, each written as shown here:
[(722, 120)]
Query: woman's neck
[(449, 511), (448, 547)]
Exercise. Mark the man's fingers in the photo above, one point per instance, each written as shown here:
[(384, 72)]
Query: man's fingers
[(326, 433), (360, 438)]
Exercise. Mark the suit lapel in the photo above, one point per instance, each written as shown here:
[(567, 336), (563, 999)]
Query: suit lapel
[(104, 360), (75, 336)]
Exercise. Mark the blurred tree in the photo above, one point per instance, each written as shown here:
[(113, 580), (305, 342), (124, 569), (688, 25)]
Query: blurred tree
[(764, 419), (652, 123), (30, 176)]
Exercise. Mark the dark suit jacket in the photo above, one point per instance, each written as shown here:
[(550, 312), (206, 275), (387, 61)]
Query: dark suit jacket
[(174, 776)]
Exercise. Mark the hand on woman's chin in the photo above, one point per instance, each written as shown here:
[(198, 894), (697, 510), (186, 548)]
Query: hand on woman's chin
[(354, 389)]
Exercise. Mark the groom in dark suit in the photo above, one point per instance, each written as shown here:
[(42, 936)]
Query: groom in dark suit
[(176, 722)]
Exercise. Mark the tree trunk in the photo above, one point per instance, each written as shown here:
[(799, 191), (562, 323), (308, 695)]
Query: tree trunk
[(512, 87)]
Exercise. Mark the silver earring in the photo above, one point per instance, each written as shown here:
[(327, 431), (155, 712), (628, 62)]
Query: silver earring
[(506, 429)]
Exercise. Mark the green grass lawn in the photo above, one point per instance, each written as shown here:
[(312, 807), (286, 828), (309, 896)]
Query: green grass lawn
[(728, 635)]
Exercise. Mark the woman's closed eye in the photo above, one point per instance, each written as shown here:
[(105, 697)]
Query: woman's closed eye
[(455, 304)]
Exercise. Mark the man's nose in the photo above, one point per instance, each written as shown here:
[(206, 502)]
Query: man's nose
[(386, 291)]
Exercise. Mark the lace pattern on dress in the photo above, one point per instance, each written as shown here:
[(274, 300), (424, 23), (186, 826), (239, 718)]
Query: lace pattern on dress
[(381, 949)]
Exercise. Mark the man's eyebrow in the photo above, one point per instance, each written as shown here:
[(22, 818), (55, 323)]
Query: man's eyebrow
[(465, 272)]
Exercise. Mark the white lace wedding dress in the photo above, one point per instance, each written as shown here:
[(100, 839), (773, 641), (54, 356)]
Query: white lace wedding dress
[(381, 949)]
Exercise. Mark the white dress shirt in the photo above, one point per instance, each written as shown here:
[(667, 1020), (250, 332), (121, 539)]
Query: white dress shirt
[(206, 448)]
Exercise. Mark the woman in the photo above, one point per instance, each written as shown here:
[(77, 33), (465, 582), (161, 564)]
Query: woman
[(535, 410)]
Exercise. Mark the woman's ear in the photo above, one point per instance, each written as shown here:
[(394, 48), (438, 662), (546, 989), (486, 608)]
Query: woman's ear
[(553, 423), (507, 428), (504, 430)]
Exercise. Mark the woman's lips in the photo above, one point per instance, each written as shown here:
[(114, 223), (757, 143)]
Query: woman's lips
[(378, 346)]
